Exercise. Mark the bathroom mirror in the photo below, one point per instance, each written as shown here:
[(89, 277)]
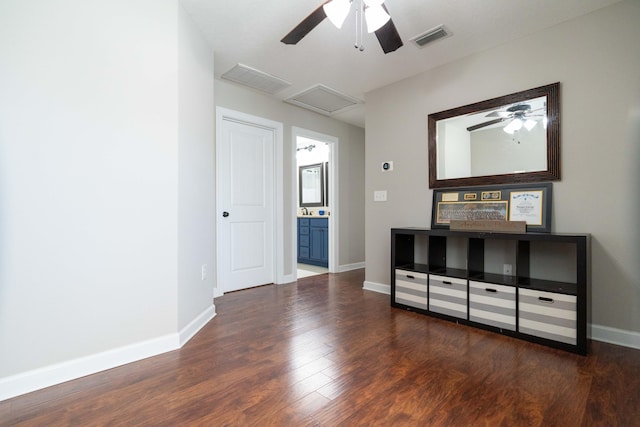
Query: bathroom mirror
[(509, 139), (311, 185)]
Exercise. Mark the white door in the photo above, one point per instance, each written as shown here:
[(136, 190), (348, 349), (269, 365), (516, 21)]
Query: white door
[(245, 205)]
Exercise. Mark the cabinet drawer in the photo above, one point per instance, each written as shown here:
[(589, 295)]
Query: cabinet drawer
[(448, 295), (319, 222), (303, 240), (411, 288), (303, 252), (547, 315), (492, 304)]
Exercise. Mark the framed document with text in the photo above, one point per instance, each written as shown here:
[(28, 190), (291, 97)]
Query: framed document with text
[(526, 206), (530, 203)]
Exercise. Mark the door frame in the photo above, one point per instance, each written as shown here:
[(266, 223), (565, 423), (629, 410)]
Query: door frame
[(278, 206), (332, 141)]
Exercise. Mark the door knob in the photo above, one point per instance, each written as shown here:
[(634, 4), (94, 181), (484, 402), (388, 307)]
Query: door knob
[(225, 214)]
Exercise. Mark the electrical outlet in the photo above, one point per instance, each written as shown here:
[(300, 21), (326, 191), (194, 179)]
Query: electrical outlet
[(507, 269), (204, 271)]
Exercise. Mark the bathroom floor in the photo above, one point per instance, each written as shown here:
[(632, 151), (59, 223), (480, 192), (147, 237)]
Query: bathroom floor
[(305, 270)]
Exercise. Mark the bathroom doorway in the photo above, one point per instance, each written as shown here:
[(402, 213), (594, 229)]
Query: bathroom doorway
[(316, 203)]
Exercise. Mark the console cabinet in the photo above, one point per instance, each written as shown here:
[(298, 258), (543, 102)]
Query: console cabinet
[(464, 277), (313, 241)]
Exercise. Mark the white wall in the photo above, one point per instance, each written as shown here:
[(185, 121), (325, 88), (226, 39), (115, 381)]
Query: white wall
[(494, 151), (351, 167), (89, 184), (196, 237), (454, 157), (595, 59)]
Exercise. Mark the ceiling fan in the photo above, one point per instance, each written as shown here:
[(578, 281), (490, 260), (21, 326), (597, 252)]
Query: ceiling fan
[(518, 115), (373, 11)]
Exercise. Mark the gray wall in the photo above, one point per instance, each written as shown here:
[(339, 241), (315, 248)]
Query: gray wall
[(351, 167), (595, 58)]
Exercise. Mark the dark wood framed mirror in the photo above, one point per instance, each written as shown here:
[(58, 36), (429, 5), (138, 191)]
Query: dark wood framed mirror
[(509, 139), (311, 185)]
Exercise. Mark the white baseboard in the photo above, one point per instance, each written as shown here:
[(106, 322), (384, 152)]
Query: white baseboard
[(614, 336), (349, 267), (47, 376), (287, 278), (196, 324), (377, 287)]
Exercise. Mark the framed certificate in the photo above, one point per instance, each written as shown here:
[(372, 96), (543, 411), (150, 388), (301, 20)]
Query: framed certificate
[(530, 203), (526, 206)]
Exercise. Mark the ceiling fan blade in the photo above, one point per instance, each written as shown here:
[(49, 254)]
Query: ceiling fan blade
[(485, 124), (304, 27), (388, 35), (498, 114)]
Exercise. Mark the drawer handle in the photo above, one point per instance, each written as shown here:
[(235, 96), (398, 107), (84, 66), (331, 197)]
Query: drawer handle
[(446, 282), (547, 300), (490, 290), (409, 276)]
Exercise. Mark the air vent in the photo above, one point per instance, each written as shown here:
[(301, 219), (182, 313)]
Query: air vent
[(323, 100), (256, 79), (430, 36)]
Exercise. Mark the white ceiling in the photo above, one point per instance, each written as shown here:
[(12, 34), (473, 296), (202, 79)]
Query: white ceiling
[(249, 32)]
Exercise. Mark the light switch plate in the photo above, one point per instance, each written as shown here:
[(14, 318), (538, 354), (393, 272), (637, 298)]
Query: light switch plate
[(380, 196)]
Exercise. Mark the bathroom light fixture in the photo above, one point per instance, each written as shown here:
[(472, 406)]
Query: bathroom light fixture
[(309, 147)]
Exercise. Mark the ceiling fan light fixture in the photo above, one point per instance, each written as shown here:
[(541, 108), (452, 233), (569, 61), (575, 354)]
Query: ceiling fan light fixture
[(337, 11), (530, 124), (376, 17), (513, 126)]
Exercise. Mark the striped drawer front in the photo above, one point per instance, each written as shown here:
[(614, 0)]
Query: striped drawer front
[(411, 288), (547, 315), (448, 295), (493, 305)]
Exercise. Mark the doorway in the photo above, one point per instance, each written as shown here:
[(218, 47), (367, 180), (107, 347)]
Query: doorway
[(315, 176)]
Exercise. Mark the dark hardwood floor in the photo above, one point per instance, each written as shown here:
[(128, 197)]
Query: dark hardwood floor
[(324, 352)]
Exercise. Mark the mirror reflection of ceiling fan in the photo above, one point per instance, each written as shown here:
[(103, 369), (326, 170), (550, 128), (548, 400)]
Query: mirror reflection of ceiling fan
[(374, 12), (518, 115)]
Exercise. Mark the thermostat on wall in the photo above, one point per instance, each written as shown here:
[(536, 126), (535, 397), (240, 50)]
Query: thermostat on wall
[(387, 166)]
